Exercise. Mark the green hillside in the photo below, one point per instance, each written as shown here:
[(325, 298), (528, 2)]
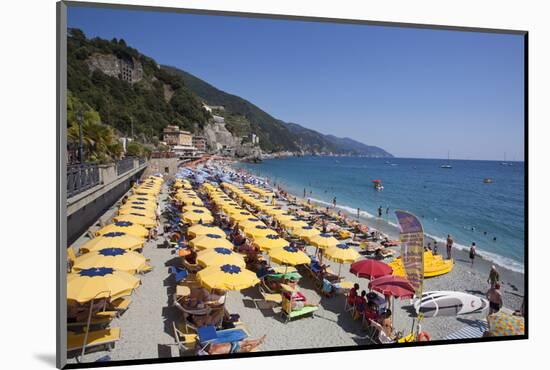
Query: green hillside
[(140, 107)]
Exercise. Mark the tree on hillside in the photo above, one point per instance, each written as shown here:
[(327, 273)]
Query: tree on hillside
[(100, 142)]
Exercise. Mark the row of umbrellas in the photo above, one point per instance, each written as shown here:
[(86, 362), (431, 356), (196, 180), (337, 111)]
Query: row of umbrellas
[(108, 262), (222, 267), (335, 250)]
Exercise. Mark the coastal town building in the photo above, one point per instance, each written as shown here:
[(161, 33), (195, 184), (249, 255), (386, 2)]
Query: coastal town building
[(173, 136), (199, 142), (179, 141)]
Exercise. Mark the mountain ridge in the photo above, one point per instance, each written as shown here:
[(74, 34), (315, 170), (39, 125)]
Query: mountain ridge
[(280, 135)]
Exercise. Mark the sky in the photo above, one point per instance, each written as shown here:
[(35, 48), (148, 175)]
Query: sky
[(414, 92)]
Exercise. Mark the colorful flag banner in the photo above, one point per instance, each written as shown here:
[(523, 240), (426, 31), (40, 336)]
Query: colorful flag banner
[(412, 248)]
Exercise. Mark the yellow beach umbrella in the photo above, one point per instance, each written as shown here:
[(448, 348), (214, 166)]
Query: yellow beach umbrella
[(140, 203), (115, 258), (240, 216), (210, 241), (125, 227), (197, 216), (137, 218), (250, 223), (192, 201), (142, 198), (323, 241), (227, 277), (288, 255), (192, 208), (112, 239), (284, 217), (305, 232), (143, 192), (294, 224), (269, 242), (197, 230), (259, 231), (276, 211), (342, 253), (220, 256), (99, 282), (141, 210)]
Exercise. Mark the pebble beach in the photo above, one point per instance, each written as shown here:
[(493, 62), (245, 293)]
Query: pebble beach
[(147, 330)]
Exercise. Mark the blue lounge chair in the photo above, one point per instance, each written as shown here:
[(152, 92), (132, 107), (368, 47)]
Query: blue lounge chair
[(178, 272), (208, 335)]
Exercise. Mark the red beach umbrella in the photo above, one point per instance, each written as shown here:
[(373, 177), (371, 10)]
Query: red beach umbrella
[(395, 286), (370, 269)]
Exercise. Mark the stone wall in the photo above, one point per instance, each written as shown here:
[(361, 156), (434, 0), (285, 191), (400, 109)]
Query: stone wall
[(167, 166), (113, 66)]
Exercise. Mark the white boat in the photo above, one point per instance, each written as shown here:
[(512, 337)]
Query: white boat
[(448, 165), (450, 303)]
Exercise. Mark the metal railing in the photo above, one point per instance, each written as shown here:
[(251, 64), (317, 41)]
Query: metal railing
[(141, 161), (81, 177), (124, 165)]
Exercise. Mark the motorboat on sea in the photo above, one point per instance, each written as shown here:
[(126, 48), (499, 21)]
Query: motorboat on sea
[(378, 185)]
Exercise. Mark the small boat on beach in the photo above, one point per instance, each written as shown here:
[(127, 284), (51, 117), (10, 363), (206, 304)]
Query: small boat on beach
[(450, 303), (434, 265)]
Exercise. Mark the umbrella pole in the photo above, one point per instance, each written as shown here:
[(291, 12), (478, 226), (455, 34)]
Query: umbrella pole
[(88, 322), (339, 270)]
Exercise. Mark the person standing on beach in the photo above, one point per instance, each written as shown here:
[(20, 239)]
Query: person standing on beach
[(494, 277), (334, 202), (450, 242), (304, 192), (380, 211), (472, 253), (387, 211), (358, 212), (495, 299)]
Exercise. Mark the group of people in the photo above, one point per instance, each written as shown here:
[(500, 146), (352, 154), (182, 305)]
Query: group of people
[(365, 305)]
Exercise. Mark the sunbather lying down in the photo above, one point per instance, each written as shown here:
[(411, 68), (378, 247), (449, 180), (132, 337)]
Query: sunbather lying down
[(246, 345)]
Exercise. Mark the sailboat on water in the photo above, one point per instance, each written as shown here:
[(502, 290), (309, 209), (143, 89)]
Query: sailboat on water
[(505, 163), (448, 165)]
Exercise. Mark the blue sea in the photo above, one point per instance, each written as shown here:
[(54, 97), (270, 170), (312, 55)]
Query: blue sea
[(448, 201)]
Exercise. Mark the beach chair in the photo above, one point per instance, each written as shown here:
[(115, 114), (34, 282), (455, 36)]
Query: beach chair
[(145, 268), (94, 322), (178, 272), (270, 300), (98, 338), (208, 334), (288, 314), (379, 334), (185, 341), (120, 305)]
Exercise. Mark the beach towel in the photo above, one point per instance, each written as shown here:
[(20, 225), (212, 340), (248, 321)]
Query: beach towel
[(208, 334), (471, 331)]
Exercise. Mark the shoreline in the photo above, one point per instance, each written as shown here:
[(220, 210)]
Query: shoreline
[(462, 278), (385, 226), (514, 280)]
